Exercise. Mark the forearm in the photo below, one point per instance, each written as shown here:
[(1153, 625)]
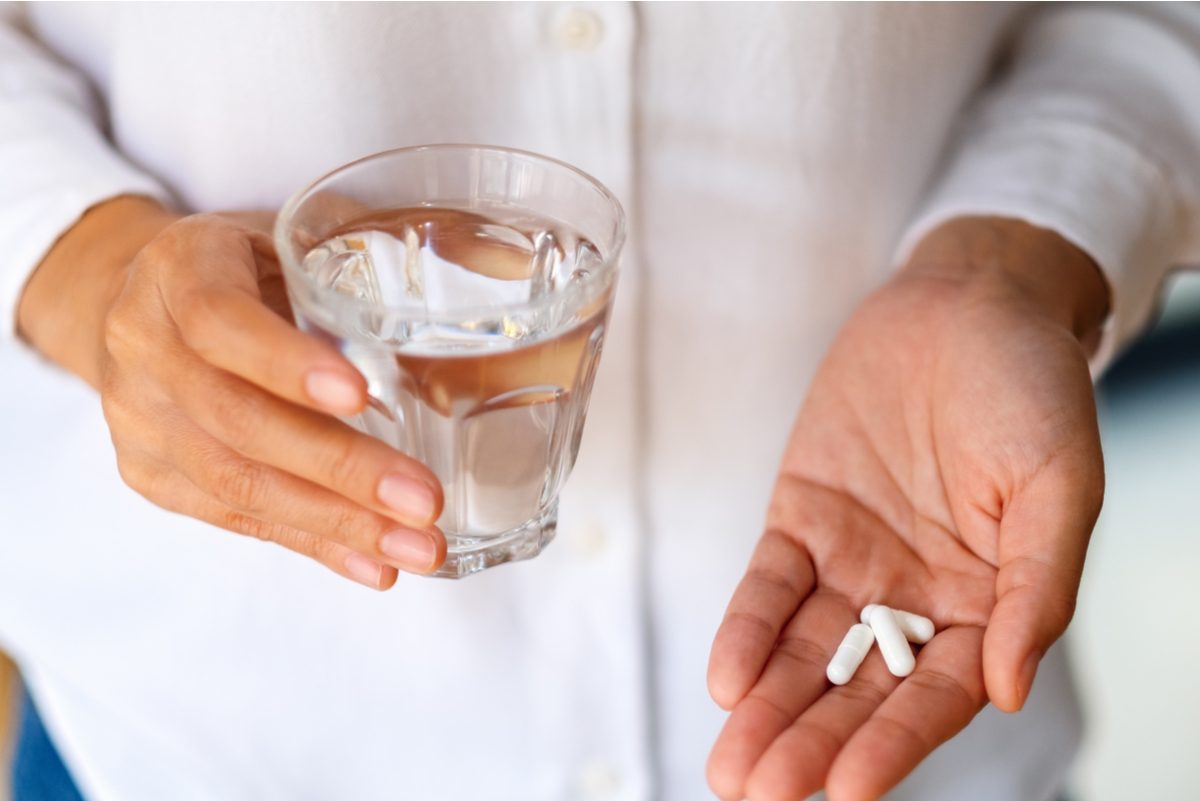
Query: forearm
[(1007, 254), (63, 306), (1090, 129)]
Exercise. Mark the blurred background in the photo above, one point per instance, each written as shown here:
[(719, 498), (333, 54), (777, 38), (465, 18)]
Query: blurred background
[(1134, 647)]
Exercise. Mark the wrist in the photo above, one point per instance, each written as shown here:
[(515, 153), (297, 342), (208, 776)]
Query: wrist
[(62, 309), (1052, 274)]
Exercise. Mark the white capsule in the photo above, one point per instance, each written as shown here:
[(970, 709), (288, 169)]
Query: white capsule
[(916, 628), (850, 654), (897, 653)]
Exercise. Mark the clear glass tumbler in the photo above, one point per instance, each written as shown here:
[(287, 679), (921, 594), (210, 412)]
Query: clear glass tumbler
[(471, 286)]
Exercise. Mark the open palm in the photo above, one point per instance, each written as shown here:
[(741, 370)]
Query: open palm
[(947, 461)]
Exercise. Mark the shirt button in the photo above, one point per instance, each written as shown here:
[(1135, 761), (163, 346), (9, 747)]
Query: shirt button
[(590, 539), (599, 780), (578, 29)]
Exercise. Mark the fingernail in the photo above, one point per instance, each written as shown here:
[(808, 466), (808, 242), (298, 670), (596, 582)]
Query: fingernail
[(364, 570), (333, 391), (1028, 672), (409, 498), (415, 550)]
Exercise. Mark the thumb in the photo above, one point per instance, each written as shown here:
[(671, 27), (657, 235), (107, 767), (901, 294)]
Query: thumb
[(1044, 535), (208, 280)]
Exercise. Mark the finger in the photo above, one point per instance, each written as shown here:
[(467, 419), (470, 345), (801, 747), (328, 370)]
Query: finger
[(793, 679), (779, 578), (797, 762), (1043, 541), (216, 302), (310, 445), (268, 494), (172, 491), (929, 707)]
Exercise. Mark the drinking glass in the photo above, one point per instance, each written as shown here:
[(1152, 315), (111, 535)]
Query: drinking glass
[(471, 286)]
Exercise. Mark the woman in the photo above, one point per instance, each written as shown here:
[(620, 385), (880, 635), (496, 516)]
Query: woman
[(775, 160)]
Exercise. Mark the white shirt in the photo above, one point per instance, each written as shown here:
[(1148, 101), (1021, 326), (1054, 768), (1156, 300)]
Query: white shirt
[(772, 159)]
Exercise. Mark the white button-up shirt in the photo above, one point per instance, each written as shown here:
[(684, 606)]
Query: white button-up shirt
[(774, 160)]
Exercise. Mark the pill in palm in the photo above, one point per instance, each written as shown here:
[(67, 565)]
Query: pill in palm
[(916, 628), (850, 654), (897, 654)]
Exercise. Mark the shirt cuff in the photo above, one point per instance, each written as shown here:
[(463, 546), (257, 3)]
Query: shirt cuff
[(1086, 184), (49, 182)]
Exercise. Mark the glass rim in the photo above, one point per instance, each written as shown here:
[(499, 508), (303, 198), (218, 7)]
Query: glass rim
[(292, 269)]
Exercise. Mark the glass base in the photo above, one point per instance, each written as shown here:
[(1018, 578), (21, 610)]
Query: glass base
[(466, 555)]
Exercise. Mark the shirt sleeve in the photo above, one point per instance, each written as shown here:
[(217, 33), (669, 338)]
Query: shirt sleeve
[(1092, 130), (55, 162)]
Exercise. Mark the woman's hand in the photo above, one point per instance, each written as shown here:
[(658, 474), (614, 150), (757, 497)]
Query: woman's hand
[(219, 408), (946, 461)]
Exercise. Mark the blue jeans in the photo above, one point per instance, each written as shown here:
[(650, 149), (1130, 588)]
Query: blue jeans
[(38, 771)]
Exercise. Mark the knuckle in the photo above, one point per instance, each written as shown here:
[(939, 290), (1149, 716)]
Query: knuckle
[(114, 406), (135, 423), (200, 223), (122, 333), (1060, 609), (318, 548), (304, 543), (165, 249), (1034, 579), (135, 473), (165, 244), (246, 525), (341, 460), (198, 315), (235, 417), (242, 484), (348, 524)]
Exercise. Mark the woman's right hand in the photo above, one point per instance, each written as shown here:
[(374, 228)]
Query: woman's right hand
[(219, 408)]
